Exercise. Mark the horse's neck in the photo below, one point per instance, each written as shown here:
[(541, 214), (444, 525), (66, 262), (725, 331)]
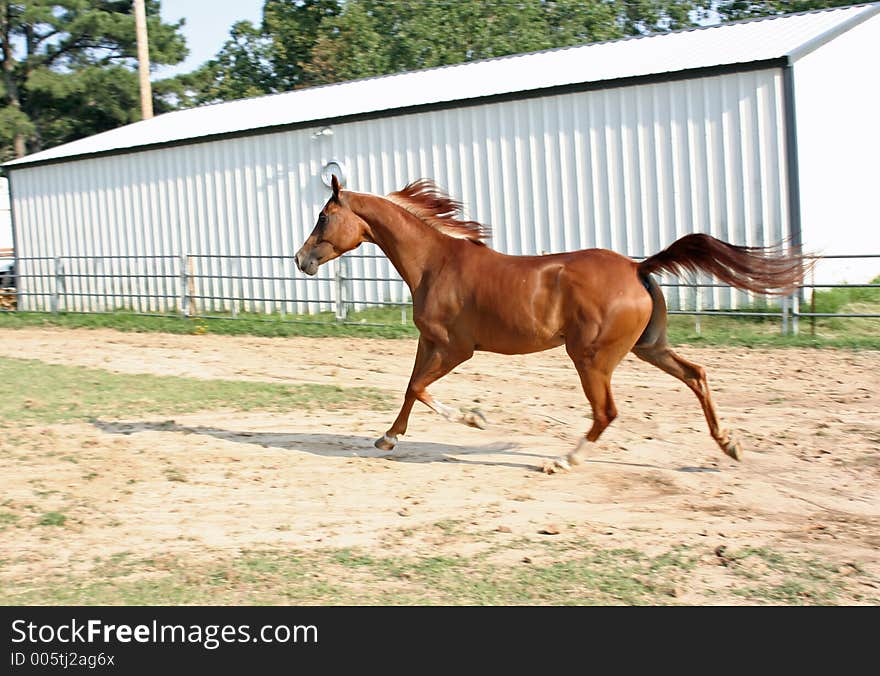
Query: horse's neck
[(410, 244)]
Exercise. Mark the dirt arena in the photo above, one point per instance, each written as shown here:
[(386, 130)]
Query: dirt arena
[(808, 483)]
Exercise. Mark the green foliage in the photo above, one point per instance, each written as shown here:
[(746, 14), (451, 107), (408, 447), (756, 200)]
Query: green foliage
[(736, 10), (240, 70), (291, 30), (837, 299), (65, 107), (69, 68), (352, 47), (52, 519), (13, 122)]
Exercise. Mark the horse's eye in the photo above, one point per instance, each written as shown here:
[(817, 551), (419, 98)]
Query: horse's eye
[(322, 218)]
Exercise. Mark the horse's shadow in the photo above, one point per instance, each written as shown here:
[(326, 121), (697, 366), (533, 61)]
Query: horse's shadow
[(348, 445), (339, 445)]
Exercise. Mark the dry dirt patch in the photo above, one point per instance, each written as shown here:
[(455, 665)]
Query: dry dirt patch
[(217, 483)]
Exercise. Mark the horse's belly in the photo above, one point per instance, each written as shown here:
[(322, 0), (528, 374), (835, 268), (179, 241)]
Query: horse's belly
[(506, 347), (507, 338)]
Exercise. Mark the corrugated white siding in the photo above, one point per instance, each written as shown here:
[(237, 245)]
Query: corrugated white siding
[(630, 169), (838, 109), (237, 208)]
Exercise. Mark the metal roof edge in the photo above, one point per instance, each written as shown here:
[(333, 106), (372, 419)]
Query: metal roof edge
[(702, 71), (872, 10)]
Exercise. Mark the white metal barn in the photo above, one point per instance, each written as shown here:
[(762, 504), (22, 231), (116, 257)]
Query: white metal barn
[(5, 217), (754, 132)]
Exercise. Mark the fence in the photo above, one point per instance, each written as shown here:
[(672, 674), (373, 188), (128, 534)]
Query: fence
[(269, 287)]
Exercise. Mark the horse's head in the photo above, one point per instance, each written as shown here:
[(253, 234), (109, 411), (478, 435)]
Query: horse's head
[(338, 230)]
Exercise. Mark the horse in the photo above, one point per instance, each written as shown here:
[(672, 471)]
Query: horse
[(467, 297)]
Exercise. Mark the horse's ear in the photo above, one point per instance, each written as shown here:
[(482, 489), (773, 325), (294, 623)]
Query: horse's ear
[(334, 183)]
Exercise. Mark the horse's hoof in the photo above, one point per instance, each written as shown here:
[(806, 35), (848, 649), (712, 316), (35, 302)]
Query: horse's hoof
[(733, 449), (574, 458), (555, 466), (385, 443), (475, 418)]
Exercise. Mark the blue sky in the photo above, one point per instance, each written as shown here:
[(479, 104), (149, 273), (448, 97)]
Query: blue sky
[(207, 27)]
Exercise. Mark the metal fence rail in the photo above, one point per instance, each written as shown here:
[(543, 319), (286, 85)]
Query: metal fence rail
[(268, 287)]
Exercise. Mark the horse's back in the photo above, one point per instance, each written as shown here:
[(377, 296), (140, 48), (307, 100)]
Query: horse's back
[(529, 303), (595, 274)]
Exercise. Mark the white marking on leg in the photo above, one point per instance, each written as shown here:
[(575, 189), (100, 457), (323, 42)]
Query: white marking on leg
[(473, 418), (446, 411), (561, 464), (577, 455)]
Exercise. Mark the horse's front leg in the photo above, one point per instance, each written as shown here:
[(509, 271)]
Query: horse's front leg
[(433, 361)]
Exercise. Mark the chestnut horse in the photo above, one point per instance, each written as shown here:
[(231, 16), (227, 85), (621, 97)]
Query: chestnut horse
[(468, 297)]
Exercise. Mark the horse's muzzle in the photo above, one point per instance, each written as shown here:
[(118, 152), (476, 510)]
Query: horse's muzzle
[(307, 263)]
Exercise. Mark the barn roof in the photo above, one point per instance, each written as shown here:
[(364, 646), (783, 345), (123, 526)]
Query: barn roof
[(743, 44)]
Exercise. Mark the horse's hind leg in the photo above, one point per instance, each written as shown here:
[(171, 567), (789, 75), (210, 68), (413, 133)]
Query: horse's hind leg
[(653, 348), (694, 376), (432, 363)]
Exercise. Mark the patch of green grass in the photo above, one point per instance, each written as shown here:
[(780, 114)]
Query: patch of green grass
[(52, 519), (338, 577), (858, 334), (450, 526), (174, 474), (567, 573), (50, 393), (845, 332), (348, 557), (787, 579), (320, 325), (8, 518)]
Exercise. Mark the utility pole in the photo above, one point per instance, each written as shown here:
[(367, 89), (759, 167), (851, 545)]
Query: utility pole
[(143, 50), (8, 60)]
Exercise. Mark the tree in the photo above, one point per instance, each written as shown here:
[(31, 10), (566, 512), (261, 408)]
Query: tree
[(68, 68), (736, 10), (256, 60), (292, 27), (412, 34), (353, 46), (240, 70)]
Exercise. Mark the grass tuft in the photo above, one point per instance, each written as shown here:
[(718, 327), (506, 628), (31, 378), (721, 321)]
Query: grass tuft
[(50, 393)]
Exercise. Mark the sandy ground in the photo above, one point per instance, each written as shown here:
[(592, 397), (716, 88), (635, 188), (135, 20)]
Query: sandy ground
[(808, 482)]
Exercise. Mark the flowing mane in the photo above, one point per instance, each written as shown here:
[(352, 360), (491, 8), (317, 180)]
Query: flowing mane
[(424, 200)]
